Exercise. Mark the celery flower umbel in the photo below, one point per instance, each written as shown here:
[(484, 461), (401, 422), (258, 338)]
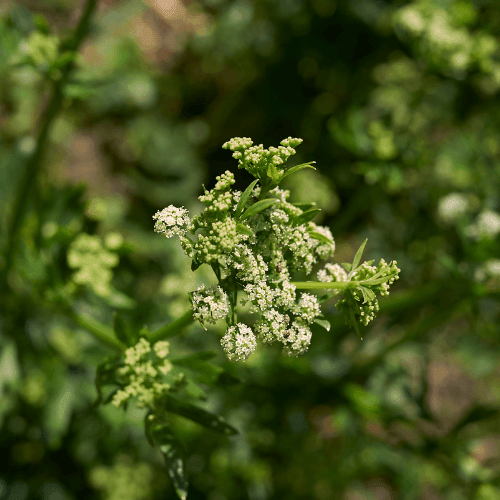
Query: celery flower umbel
[(255, 241)]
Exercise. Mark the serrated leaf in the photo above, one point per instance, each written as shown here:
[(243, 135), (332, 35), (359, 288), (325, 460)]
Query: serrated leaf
[(200, 416), (171, 449), (242, 229), (297, 168), (324, 323), (258, 207), (244, 198), (123, 334), (359, 253), (320, 237), (306, 216)]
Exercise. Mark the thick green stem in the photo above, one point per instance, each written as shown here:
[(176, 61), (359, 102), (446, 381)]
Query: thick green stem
[(173, 328), (324, 285), (32, 167)]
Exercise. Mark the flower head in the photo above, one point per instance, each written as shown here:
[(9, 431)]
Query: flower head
[(239, 342)]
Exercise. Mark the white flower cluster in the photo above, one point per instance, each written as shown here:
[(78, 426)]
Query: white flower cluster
[(256, 159), (92, 263), (144, 374), (239, 342), (209, 304), (172, 221), (258, 253)]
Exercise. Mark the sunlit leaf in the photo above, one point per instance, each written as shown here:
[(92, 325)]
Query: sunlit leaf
[(244, 198), (258, 207)]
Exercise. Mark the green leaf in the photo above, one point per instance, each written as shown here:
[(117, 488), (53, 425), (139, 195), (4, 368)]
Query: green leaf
[(258, 207), (200, 416), (63, 60), (347, 266), (357, 257), (306, 216), (193, 358), (297, 168), (195, 264), (171, 449), (368, 295), (370, 262), (242, 229), (324, 323), (244, 198), (320, 237), (194, 390), (105, 375), (376, 281), (197, 364), (304, 206), (122, 332), (226, 379), (273, 173)]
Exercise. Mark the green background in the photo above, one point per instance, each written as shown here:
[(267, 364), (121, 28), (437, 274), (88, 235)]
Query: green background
[(396, 101)]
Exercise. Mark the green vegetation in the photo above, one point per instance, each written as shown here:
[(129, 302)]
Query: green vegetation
[(112, 111)]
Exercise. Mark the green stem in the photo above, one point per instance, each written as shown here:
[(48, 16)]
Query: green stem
[(33, 163), (324, 285), (173, 328), (101, 332)]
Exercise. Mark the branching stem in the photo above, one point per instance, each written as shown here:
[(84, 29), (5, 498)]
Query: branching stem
[(173, 328)]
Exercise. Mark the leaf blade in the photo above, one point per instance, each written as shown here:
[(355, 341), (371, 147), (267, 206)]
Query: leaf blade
[(244, 198), (297, 168), (200, 416), (258, 207)]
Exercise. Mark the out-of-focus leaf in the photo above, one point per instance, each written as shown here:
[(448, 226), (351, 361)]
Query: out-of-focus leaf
[(122, 332), (171, 449), (476, 414), (200, 416)]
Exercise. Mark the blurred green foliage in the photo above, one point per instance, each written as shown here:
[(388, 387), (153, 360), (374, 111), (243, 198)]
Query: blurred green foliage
[(397, 101)]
